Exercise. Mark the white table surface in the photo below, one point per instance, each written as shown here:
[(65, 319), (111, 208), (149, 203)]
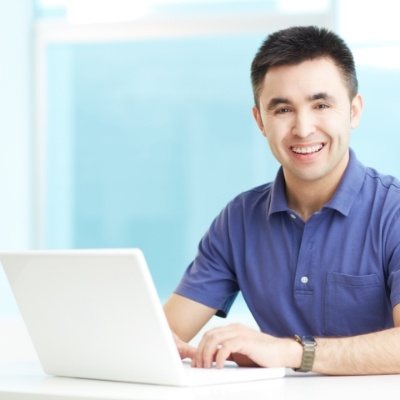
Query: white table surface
[(26, 381), (21, 378)]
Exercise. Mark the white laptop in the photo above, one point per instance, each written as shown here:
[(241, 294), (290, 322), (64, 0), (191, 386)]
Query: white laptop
[(96, 314)]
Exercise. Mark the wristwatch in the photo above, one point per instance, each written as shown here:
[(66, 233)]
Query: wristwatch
[(309, 344)]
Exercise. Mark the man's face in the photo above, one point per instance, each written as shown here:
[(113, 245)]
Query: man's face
[(306, 115)]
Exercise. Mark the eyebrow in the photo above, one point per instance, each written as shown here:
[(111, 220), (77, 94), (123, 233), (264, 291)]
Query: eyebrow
[(276, 101), (320, 96)]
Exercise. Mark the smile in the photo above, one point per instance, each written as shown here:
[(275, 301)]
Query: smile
[(308, 149)]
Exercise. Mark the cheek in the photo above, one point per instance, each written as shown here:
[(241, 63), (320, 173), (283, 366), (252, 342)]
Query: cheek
[(338, 125), (277, 130)]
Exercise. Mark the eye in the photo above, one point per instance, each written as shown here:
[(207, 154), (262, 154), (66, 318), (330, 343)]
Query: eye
[(282, 110), (321, 106)]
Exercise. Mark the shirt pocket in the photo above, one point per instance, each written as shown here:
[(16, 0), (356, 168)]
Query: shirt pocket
[(354, 304)]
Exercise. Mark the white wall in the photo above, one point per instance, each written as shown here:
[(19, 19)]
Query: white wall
[(15, 123)]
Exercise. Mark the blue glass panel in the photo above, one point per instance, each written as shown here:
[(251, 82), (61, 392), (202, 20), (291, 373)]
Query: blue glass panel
[(376, 139), (147, 142)]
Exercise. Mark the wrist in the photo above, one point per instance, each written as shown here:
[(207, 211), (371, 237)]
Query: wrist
[(293, 353), (309, 345)]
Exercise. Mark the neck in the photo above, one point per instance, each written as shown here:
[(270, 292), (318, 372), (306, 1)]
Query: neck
[(307, 197), (308, 200)]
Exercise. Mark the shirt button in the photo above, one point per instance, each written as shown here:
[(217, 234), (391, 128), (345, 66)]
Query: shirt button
[(292, 216), (304, 279)]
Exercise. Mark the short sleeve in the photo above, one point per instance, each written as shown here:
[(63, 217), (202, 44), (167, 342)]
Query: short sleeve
[(393, 251), (210, 279)]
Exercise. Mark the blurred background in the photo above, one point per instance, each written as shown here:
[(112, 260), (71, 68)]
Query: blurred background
[(127, 123)]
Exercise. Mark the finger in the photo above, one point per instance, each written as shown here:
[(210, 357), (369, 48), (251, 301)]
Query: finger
[(210, 345), (206, 351), (225, 351), (186, 351)]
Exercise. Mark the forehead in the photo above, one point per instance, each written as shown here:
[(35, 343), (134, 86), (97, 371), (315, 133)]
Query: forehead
[(319, 75)]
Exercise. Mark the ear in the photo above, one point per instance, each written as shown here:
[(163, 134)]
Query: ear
[(257, 117), (357, 105)]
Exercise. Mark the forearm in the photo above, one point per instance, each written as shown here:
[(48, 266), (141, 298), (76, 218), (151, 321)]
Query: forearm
[(369, 354), (186, 317)]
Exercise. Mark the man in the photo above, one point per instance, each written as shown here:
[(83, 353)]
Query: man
[(316, 253)]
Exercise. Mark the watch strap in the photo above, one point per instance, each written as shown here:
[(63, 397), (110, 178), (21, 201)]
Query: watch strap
[(309, 345)]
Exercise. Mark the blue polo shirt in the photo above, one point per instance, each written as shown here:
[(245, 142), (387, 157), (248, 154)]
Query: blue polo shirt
[(337, 274)]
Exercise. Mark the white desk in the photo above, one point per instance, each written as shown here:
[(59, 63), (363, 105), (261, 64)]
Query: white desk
[(25, 381), (21, 378)]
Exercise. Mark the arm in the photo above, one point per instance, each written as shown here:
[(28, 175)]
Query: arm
[(374, 353), (185, 318)]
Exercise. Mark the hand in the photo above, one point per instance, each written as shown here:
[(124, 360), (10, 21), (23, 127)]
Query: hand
[(247, 347), (242, 360), (185, 350)]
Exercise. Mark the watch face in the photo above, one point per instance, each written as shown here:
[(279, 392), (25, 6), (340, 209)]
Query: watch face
[(308, 340)]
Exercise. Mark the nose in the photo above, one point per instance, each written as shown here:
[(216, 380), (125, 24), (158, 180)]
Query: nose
[(303, 124)]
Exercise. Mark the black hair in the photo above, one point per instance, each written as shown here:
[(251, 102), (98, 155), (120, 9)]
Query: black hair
[(294, 45)]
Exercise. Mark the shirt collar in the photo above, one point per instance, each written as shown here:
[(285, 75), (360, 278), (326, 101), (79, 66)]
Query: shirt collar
[(349, 187), (341, 201), (278, 195)]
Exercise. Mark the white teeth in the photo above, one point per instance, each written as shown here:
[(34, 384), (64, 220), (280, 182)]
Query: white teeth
[(307, 149)]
